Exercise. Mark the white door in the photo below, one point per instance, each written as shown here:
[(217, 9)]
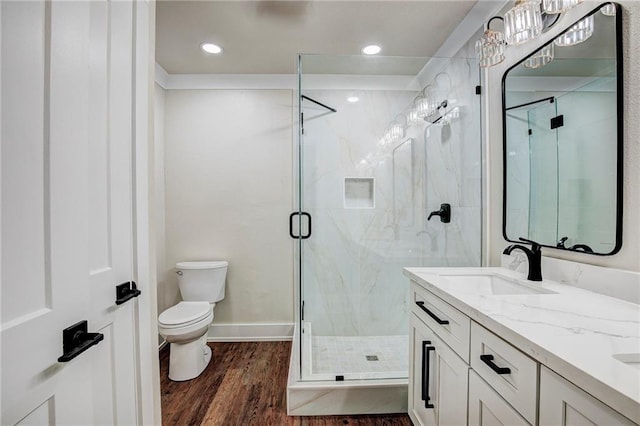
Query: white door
[(67, 211)]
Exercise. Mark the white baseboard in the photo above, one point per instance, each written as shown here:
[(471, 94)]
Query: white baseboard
[(250, 332)]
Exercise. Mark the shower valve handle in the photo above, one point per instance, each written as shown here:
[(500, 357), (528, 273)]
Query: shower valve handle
[(444, 213)]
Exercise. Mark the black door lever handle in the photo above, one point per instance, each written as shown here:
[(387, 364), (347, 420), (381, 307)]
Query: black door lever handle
[(76, 339), (444, 213), (126, 291)]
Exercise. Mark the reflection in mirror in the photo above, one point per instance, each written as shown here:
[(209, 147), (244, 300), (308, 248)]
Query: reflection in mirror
[(562, 140)]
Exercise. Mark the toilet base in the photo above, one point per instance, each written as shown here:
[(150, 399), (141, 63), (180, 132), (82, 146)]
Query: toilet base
[(187, 361)]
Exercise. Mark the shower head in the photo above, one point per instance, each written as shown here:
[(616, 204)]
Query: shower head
[(436, 115)]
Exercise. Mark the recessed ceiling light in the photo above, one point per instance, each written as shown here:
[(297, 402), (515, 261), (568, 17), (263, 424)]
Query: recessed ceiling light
[(372, 49), (353, 99), (211, 48)]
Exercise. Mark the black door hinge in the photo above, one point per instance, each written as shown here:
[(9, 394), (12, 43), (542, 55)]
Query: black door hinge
[(478, 90)]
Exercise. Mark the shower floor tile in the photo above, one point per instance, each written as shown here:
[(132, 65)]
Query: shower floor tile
[(359, 354)]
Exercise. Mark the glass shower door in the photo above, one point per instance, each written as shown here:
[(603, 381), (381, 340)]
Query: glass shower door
[(368, 199), (543, 175)]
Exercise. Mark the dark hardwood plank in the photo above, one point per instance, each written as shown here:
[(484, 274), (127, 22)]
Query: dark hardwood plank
[(245, 384)]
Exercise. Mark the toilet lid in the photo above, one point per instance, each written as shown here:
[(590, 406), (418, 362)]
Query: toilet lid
[(202, 264), (184, 312)]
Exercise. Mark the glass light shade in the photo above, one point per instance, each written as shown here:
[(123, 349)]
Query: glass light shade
[(396, 132), (422, 106), (541, 58), (608, 10), (490, 48), (523, 22), (412, 117), (559, 6), (577, 34)]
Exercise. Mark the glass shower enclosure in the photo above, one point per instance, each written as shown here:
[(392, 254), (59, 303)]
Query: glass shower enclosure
[(371, 165)]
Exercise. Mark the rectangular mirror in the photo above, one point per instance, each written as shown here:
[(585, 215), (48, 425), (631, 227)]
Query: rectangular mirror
[(562, 126)]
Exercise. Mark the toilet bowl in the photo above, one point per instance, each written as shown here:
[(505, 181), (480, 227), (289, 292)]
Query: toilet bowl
[(185, 325)]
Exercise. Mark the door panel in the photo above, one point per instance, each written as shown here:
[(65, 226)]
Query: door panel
[(448, 379), (488, 408), (563, 403), (66, 210), (110, 237), (25, 256)]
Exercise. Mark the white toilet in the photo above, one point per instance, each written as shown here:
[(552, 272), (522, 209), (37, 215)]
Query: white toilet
[(185, 325)]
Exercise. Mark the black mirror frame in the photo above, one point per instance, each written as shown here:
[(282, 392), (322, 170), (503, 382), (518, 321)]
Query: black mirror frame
[(620, 132)]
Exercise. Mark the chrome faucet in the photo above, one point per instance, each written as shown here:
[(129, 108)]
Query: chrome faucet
[(534, 257)]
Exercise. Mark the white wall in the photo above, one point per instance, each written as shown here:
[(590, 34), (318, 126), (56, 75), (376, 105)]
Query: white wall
[(159, 207), (628, 257), (228, 195)]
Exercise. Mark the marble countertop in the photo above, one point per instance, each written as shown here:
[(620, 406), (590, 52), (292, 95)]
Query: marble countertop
[(573, 332)]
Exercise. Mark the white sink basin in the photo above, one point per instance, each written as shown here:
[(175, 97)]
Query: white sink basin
[(494, 284), (632, 360)]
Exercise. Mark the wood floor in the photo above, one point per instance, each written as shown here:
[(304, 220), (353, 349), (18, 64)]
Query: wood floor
[(245, 384)]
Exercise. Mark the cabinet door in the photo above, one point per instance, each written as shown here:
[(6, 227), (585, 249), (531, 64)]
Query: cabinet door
[(487, 408), (562, 403), (438, 380)]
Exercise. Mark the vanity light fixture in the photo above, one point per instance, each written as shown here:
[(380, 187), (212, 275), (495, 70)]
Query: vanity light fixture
[(490, 47), (523, 22), (559, 6), (541, 58), (577, 34), (211, 48), (422, 103), (608, 10), (397, 128), (372, 49), (395, 131), (412, 117)]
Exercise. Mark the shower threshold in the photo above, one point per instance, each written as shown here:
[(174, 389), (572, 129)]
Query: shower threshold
[(356, 392)]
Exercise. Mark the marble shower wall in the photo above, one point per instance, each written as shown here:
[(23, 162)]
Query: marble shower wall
[(352, 264)]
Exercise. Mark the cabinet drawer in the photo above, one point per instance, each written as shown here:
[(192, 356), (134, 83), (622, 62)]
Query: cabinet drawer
[(451, 325), (563, 403), (486, 407), (507, 370)]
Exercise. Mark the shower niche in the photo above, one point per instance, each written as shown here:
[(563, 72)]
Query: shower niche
[(359, 193)]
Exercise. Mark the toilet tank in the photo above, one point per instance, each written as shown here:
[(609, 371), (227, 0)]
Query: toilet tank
[(202, 281)]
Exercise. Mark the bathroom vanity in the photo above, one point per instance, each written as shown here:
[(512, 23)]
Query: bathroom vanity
[(489, 347)]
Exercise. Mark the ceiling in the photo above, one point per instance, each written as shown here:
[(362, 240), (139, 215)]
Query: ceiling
[(264, 37)]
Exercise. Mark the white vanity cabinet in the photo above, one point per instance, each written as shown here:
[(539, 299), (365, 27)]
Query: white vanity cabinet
[(461, 373), (562, 403)]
